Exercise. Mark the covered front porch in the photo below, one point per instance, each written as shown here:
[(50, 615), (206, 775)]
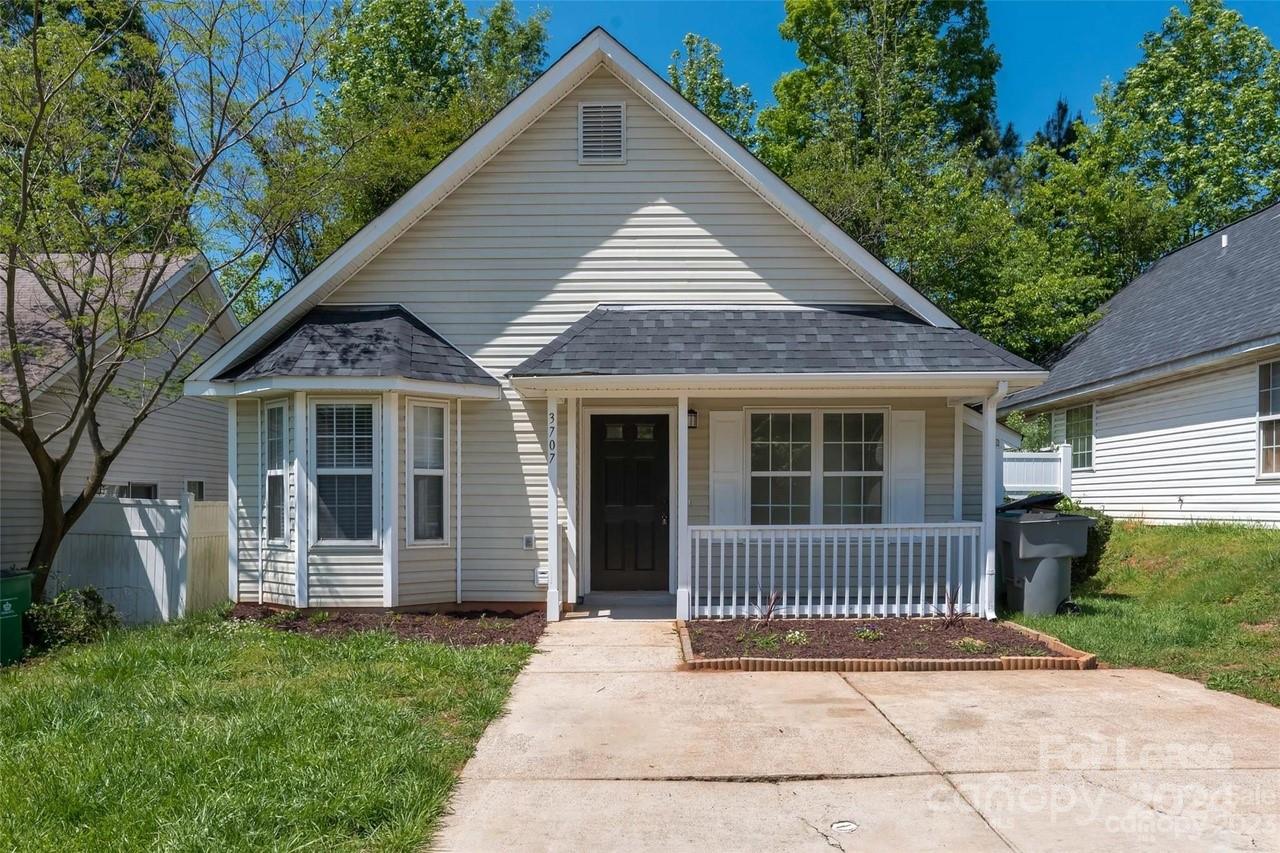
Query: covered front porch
[(800, 461)]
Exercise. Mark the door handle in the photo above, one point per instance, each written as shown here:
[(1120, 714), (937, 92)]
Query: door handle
[(663, 518)]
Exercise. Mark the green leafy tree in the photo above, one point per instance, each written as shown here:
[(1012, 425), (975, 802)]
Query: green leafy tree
[(123, 156), (698, 74), (1199, 115), (410, 81)]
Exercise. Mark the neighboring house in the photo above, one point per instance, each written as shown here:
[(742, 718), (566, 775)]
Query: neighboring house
[(180, 447), (1171, 402), (734, 396)]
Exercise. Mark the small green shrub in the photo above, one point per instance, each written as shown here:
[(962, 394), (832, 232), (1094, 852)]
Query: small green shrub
[(869, 635), (319, 617), (74, 616), (971, 645), (1083, 568), (796, 638)]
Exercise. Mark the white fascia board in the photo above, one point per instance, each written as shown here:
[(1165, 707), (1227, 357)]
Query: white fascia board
[(1170, 371), (339, 384), (597, 48), (948, 383)]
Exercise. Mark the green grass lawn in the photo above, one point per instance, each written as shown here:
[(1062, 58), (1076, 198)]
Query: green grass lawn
[(1201, 601), (213, 735)]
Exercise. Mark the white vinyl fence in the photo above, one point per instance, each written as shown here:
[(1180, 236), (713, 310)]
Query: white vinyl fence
[(1027, 473), (153, 560)]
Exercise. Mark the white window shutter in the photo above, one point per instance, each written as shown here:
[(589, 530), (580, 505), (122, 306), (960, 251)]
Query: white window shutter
[(906, 466), (728, 503)]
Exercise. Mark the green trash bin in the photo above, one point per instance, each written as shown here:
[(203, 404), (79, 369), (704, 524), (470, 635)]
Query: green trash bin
[(15, 598)]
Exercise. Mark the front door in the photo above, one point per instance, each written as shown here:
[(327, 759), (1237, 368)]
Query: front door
[(629, 505)]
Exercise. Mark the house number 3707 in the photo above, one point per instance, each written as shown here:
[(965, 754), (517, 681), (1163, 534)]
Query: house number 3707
[(551, 436)]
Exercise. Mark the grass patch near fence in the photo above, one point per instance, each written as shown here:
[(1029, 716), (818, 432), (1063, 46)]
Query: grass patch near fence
[(226, 735), (1201, 601)]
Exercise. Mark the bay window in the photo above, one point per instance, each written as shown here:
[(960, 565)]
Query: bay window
[(344, 446), (428, 473), (1269, 419), (845, 480), (273, 442)]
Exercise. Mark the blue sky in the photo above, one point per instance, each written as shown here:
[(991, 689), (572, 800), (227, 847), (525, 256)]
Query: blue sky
[(1049, 47)]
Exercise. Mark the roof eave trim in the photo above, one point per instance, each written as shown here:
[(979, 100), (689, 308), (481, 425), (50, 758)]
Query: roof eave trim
[(340, 384), (952, 380), (1162, 373), (597, 48)]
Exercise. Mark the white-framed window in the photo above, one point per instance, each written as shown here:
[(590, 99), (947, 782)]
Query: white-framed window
[(344, 448), (194, 489), (1079, 434), (427, 473), (274, 426), (844, 478), (852, 467), (1269, 419), (138, 491), (602, 133)]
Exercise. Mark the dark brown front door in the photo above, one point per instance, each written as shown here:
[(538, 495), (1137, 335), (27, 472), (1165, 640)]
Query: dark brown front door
[(629, 506)]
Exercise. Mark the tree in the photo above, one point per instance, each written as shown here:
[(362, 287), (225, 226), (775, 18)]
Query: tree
[(1199, 115), (879, 74), (410, 81), (698, 74), (124, 156), (1059, 132)]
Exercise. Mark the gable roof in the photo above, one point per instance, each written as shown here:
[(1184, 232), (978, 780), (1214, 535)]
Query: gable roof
[(647, 340), (362, 340), (37, 317), (1210, 299), (596, 49)]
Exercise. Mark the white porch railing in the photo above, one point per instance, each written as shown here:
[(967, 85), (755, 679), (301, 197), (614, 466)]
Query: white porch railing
[(1027, 472), (815, 571)]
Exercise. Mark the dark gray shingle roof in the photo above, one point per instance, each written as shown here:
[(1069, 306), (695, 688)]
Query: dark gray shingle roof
[(362, 340), (1195, 301), (632, 340)]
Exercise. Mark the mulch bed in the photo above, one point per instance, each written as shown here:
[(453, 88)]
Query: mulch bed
[(451, 629), (882, 639)]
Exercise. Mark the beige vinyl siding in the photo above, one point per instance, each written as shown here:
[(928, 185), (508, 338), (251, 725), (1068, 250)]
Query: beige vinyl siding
[(1180, 451), (427, 573), (528, 245), (185, 439), (248, 509), (344, 577), (971, 476)]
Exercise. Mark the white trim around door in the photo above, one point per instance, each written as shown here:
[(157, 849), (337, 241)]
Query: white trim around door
[(584, 474)]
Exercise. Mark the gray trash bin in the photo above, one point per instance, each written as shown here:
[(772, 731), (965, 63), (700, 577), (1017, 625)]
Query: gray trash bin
[(1034, 550)]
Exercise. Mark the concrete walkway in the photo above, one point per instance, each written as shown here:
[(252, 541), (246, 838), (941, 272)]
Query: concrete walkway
[(607, 747)]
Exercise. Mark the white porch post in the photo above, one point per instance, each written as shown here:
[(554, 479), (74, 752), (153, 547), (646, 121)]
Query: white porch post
[(571, 503), (301, 509), (390, 498), (233, 505), (683, 568), (457, 503), (957, 464), (553, 511), (989, 462)]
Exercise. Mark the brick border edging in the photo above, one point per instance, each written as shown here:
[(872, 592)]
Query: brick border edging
[(1074, 660)]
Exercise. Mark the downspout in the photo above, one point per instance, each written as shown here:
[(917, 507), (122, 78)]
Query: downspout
[(989, 496), (261, 491)]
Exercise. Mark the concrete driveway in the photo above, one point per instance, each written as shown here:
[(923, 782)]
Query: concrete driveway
[(607, 747)]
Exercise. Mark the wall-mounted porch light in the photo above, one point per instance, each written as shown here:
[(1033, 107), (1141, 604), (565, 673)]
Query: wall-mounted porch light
[(693, 419)]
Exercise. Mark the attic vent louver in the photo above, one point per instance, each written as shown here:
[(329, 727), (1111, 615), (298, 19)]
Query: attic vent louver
[(602, 133)]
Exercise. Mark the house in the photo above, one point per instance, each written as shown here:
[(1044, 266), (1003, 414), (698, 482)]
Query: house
[(601, 338), (1171, 401), (180, 447)]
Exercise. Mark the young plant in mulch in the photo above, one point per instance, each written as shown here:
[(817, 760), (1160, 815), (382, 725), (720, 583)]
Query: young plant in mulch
[(869, 635), (796, 638), (971, 645)]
